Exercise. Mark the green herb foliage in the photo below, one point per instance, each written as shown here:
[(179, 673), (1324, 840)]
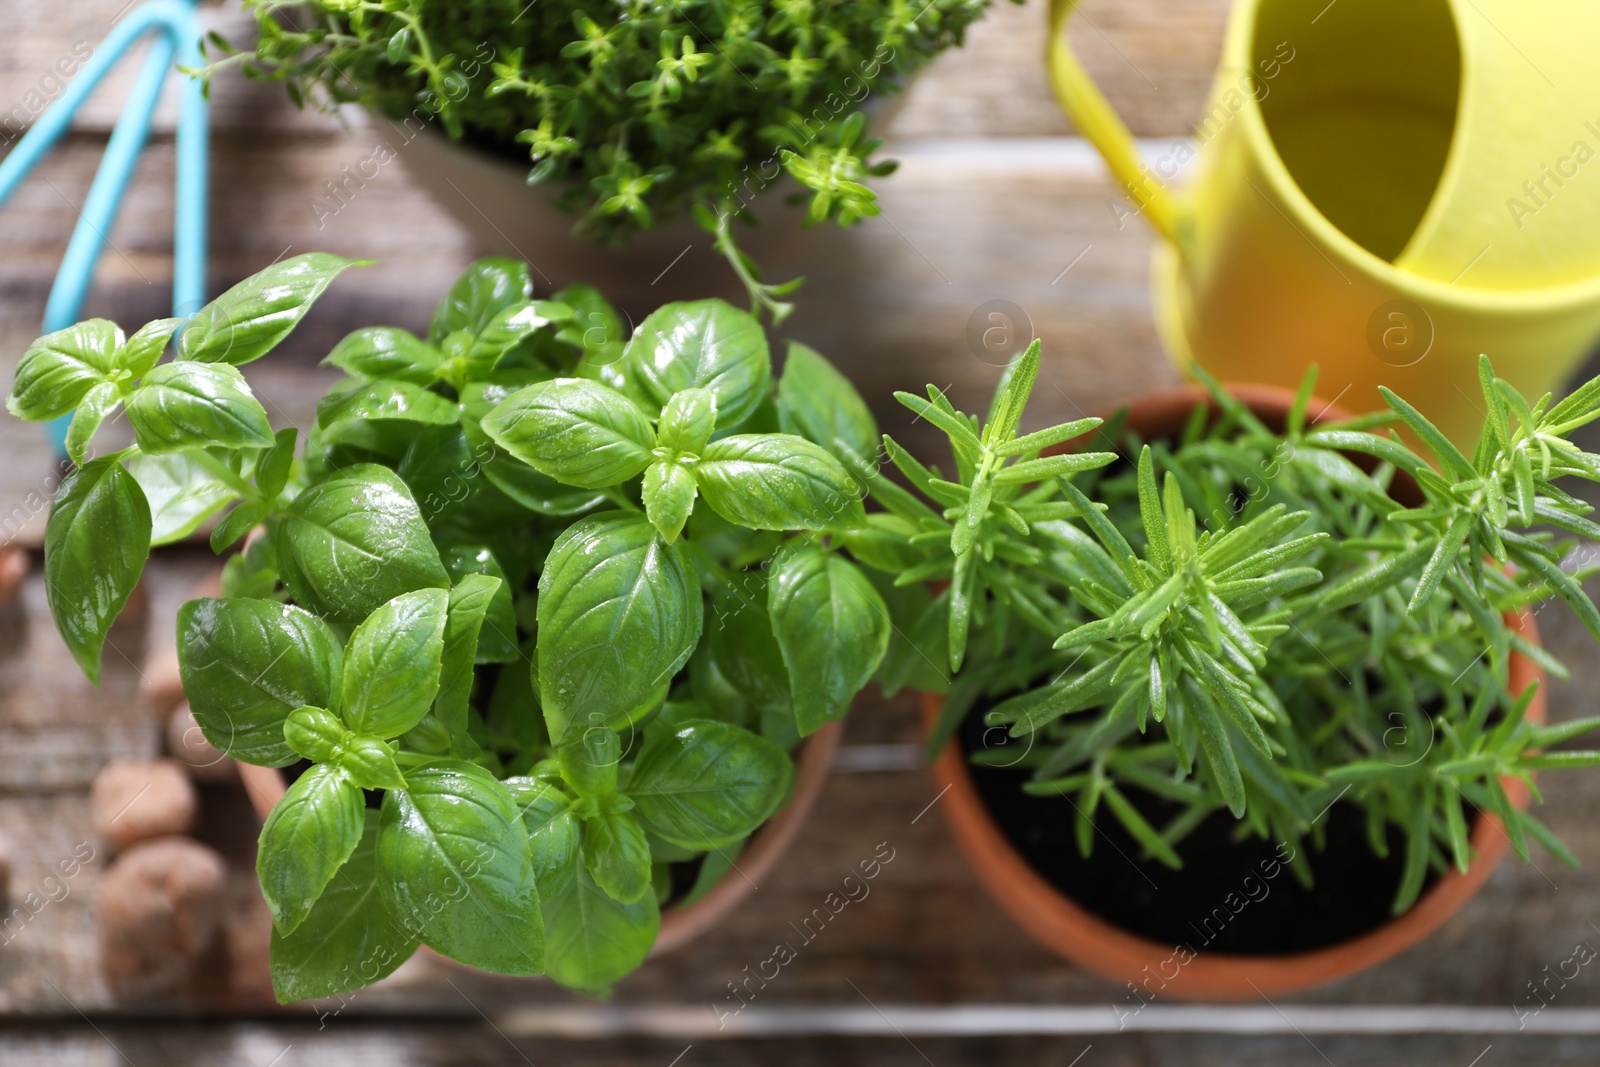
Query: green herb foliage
[(633, 112), (505, 586), (1256, 622)]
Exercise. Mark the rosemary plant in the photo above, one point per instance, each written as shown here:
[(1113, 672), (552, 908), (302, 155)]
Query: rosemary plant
[(1257, 621)]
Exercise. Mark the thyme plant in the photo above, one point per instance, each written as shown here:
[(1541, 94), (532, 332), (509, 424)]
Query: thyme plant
[(630, 112), (1255, 620)]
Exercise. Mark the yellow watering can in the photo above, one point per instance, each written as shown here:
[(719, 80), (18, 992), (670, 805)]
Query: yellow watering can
[(1386, 188)]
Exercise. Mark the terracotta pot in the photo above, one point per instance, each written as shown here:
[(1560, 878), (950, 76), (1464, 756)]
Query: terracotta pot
[(1061, 925), (679, 925), (13, 569)]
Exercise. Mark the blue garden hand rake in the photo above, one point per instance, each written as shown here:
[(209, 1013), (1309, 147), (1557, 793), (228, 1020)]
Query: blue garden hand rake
[(177, 33)]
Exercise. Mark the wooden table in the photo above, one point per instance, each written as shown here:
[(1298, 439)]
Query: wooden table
[(996, 200)]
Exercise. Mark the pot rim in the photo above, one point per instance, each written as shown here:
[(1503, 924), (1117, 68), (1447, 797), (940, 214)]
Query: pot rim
[(1060, 924), (679, 924)]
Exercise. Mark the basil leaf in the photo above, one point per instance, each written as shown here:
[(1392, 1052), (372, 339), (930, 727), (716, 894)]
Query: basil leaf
[(516, 479), (182, 494), (349, 938), (253, 572), (387, 352), (370, 764), (428, 737), (746, 654), (98, 403), (315, 733), (392, 664), (589, 763), (553, 832), (514, 712), (348, 441), (712, 869), (306, 838), (476, 355), (687, 421), (593, 940), (355, 541), (469, 604), (246, 664), (249, 320), (818, 403), (668, 493), (712, 691), (616, 855), (402, 401), (777, 482), (95, 546), (595, 326), (918, 653), (144, 348), (670, 716), (662, 855), (438, 468), (453, 861), (60, 368), (619, 614), (832, 626), (238, 522), (484, 290), (194, 405), (576, 431), (707, 344), (276, 464), (708, 784), (611, 370), (497, 640)]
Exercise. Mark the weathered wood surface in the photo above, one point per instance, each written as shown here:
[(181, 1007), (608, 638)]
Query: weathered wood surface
[(475, 1043), (1153, 58), (992, 204)]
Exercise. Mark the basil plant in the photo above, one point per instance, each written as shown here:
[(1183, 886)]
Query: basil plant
[(534, 617)]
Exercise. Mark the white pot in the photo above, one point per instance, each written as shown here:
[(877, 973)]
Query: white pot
[(491, 199)]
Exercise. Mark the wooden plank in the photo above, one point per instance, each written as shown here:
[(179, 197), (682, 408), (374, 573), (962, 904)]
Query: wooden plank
[(474, 1041), (56, 729), (1154, 59), (46, 929), (46, 46)]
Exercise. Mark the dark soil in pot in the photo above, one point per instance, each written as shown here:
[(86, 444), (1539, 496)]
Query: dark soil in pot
[(1235, 897)]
